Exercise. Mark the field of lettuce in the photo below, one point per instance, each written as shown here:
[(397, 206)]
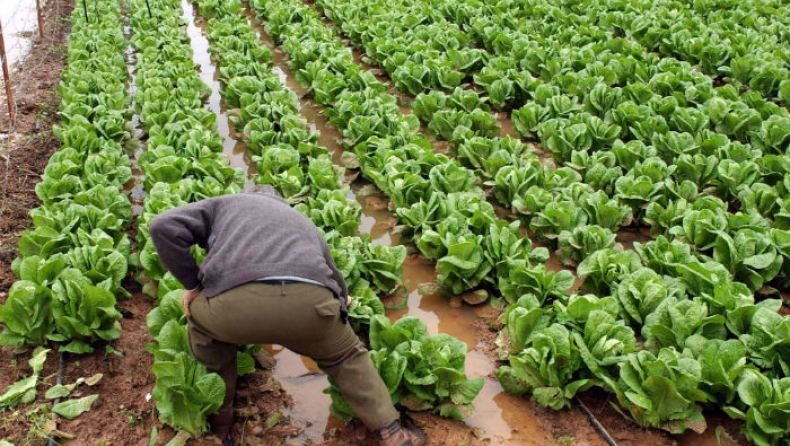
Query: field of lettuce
[(604, 187)]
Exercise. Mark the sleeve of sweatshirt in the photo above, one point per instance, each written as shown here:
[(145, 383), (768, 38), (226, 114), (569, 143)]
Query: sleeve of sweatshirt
[(174, 232), (336, 274)]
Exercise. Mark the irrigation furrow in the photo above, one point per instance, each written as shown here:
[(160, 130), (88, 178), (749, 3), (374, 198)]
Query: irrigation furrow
[(233, 148)]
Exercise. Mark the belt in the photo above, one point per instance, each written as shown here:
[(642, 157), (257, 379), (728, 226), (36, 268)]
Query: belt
[(277, 281)]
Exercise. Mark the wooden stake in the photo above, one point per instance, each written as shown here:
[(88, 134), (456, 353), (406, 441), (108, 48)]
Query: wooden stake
[(149, 9), (40, 19), (85, 9), (7, 79)]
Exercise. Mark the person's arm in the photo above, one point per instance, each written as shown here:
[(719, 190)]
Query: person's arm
[(174, 232)]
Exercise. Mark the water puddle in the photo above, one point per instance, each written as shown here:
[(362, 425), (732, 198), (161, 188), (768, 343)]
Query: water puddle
[(20, 27), (376, 219), (196, 28), (305, 384)]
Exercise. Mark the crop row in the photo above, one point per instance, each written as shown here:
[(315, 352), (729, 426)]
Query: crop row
[(698, 281), (72, 261), (183, 163)]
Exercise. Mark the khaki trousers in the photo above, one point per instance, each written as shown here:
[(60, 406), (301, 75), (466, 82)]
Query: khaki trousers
[(303, 318)]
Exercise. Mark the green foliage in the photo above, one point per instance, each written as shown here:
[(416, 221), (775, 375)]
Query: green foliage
[(71, 409), (546, 367), (576, 244), (83, 313), (661, 391), (26, 315), (331, 210), (722, 364), (421, 371), (185, 392), (24, 391), (642, 291), (763, 331), (763, 405), (603, 343), (603, 268), (523, 278), (522, 318), (673, 321)]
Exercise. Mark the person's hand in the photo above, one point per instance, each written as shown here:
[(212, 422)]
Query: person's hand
[(348, 300), (187, 298)]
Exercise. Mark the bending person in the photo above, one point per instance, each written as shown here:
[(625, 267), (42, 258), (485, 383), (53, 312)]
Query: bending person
[(269, 278)]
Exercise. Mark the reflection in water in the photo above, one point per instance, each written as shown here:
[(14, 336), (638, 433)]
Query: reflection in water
[(135, 184), (305, 383)]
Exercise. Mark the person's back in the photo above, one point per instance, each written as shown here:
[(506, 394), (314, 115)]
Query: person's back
[(248, 236)]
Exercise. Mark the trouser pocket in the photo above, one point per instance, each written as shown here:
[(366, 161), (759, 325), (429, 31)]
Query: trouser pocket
[(328, 308)]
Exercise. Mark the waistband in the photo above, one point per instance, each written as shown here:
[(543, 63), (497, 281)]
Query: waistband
[(277, 281)]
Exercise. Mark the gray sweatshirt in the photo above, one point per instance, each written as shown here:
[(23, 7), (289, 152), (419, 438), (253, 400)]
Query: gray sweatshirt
[(255, 235)]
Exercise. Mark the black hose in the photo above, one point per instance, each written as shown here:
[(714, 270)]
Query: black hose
[(598, 426), (57, 400)]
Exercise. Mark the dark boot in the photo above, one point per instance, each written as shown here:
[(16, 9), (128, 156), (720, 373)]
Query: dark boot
[(222, 421), (394, 434)]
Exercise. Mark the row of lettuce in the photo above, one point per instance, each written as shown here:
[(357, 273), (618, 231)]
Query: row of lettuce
[(288, 158), (73, 259), (690, 292), (183, 162)]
